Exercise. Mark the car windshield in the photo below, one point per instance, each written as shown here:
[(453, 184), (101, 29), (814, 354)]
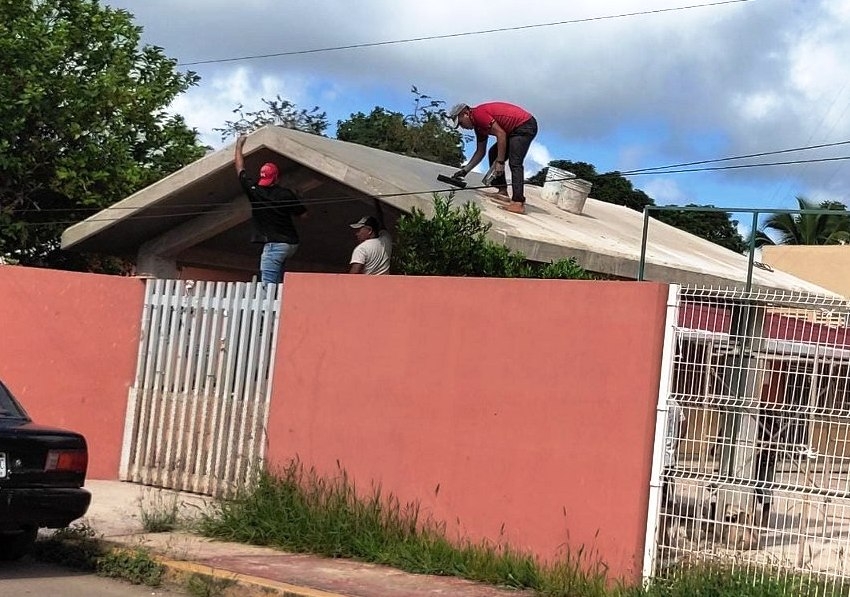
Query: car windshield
[(9, 409)]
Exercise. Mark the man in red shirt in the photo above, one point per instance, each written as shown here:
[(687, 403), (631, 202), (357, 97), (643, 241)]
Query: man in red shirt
[(514, 129)]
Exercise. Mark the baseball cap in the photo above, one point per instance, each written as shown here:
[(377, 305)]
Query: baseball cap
[(455, 111), (370, 221), (268, 174)]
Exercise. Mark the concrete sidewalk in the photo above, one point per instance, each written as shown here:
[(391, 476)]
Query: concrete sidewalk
[(116, 516)]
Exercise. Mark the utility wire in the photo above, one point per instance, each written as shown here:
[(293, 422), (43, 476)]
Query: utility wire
[(737, 157), (668, 169), (739, 166), (453, 35), (338, 199)]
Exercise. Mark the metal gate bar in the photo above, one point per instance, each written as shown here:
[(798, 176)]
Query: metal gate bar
[(197, 410)]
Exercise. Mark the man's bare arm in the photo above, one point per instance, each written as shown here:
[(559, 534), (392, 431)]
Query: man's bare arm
[(239, 159), (501, 145)]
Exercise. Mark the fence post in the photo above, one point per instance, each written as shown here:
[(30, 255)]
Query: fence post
[(665, 384), (643, 238), (751, 255)]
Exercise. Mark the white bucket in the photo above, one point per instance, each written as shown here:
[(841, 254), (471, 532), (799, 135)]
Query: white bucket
[(565, 190)]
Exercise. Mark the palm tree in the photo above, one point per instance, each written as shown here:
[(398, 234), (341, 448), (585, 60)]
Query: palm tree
[(808, 229)]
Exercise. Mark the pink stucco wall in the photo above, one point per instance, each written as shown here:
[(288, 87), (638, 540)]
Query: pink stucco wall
[(68, 345), (528, 403)]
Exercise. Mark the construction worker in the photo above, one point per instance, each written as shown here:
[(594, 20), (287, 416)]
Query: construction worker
[(514, 129)]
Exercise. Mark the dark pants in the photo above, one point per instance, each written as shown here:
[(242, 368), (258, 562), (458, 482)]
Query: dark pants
[(770, 432), (519, 140)]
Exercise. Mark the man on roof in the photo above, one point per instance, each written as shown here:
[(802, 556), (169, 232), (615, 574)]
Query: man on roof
[(514, 129)]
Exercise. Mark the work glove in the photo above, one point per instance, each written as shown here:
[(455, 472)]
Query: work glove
[(460, 173)]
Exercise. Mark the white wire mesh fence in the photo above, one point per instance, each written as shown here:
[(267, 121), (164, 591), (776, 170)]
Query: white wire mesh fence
[(752, 463)]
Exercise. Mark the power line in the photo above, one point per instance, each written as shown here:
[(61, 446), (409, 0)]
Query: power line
[(637, 172), (454, 35), (737, 157), (739, 166), (332, 200)]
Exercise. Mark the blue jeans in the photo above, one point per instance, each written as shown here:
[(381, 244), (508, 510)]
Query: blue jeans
[(273, 261)]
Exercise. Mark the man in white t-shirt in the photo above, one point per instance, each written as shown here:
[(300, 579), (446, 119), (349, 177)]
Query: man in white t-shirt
[(374, 249)]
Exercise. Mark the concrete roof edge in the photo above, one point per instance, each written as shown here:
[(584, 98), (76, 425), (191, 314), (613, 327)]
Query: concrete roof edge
[(627, 267), (146, 197), (276, 139)]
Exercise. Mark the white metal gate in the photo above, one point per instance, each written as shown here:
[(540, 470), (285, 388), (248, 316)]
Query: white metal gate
[(752, 450), (197, 411)]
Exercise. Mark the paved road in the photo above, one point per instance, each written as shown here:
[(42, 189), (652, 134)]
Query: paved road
[(34, 579)]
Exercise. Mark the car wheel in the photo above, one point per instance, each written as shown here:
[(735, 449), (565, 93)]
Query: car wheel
[(14, 546)]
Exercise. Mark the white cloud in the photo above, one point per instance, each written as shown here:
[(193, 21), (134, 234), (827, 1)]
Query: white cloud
[(759, 106), (210, 106), (665, 191), (538, 157), (752, 76)]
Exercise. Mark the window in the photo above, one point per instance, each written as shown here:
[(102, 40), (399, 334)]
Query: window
[(8, 407)]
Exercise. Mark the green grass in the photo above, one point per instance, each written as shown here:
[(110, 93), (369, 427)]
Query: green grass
[(299, 511), (134, 566), (200, 585), (724, 580), (75, 547), (159, 514), (78, 547)]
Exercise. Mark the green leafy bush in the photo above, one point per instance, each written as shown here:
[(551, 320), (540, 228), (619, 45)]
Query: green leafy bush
[(454, 243)]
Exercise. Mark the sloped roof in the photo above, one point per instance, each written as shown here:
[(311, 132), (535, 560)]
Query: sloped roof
[(605, 238)]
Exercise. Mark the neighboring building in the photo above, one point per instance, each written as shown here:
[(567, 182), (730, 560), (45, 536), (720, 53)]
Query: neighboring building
[(800, 369), (825, 265), (195, 222)]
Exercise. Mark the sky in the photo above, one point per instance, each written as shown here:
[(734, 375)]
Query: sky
[(686, 81)]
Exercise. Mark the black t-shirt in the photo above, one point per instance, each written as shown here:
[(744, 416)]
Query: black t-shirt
[(272, 209)]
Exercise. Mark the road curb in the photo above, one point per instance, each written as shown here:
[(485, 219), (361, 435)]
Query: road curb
[(226, 582), (234, 584)]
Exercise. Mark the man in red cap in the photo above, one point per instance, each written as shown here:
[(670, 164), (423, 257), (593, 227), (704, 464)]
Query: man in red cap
[(272, 208), (514, 129)]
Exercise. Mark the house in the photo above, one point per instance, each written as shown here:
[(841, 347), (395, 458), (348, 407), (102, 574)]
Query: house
[(195, 222), (825, 265), (793, 370)]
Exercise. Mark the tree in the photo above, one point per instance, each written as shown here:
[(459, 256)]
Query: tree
[(422, 134), (82, 109), (277, 112), (808, 229), (454, 243), (716, 226), (613, 187)]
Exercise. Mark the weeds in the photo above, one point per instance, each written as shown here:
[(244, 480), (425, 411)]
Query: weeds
[(303, 512), (300, 511), (77, 547), (159, 515), (719, 580), (200, 585), (74, 547), (136, 566)]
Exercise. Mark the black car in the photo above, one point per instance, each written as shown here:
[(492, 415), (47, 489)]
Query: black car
[(42, 472)]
